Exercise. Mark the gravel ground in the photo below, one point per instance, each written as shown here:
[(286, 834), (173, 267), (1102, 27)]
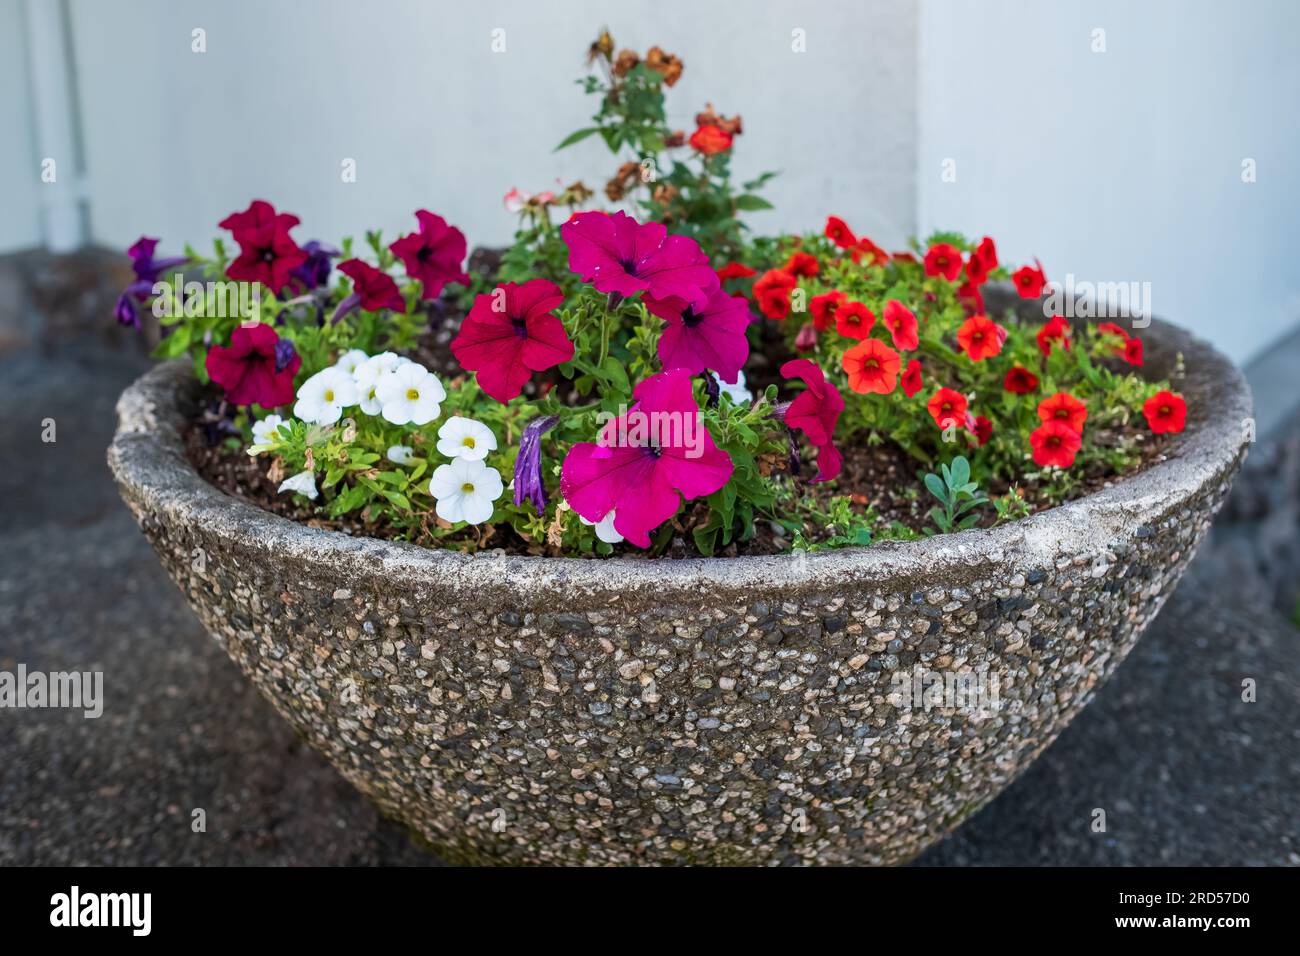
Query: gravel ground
[(1186, 771)]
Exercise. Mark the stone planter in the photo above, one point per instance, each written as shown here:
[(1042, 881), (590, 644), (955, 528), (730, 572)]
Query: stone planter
[(531, 710)]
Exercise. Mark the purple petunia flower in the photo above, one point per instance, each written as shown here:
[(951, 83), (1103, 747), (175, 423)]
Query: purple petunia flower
[(528, 464), (617, 254), (315, 272), (147, 269), (284, 354)]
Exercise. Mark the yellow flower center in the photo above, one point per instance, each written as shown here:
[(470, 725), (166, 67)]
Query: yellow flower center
[(412, 394), (467, 441), (329, 394), (467, 488)]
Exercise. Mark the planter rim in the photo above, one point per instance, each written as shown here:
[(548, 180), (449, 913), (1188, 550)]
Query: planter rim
[(148, 461)]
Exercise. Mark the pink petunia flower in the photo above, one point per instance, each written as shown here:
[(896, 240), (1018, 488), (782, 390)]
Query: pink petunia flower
[(815, 412), (433, 254), (646, 461), (509, 334), (712, 337), (615, 253), (256, 368)]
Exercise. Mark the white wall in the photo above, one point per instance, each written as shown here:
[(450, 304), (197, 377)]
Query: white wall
[(1125, 165), (19, 164), (411, 90)]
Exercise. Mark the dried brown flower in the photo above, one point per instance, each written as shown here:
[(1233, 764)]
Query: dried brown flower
[(728, 124), (665, 64), (626, 60), (603, 47)]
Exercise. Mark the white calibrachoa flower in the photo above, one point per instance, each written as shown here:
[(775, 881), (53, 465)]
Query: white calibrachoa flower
[(400, 454), (604, 528), (351, 360), (740, 395), (465, 490), (304, 483), (410, 394), (265, 433), (461, 437), (368, 375), (322, 398)]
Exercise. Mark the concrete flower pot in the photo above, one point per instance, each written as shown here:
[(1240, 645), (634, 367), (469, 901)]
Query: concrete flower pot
[(530, 710)]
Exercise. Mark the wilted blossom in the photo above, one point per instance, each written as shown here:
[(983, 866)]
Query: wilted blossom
[(528, 464)]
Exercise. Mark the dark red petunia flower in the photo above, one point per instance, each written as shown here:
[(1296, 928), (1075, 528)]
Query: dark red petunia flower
[(815, 412), (1029, 280), (710, 140), (509, 334), (248, 368), (1165, 412), (267, 253), (802, 264), (853, 320), (982, 429), (911, 380), (947, 407), (901, 323), (1054, 330), (823, 308), (943, 259), (1065, 408), (772, 293), (735, 270), (1020, 381), (1132, 351), (1055, 444), (980, 337), (433, 254), (374, 288), (838, 232), (805, 339)]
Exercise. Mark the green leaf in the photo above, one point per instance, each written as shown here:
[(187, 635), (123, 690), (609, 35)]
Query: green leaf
[(751, 203), (936, 486), (960, 471), (576, 137)]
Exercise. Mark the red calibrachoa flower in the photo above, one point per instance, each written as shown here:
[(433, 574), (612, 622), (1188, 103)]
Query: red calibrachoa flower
[(1030, 280), (1065, 408), (911, 380), (866, 249), (772, 293), (1020, 381), (980, 337), (509, 334), (853, 320), (374, 288), (972, 302), (249, 370), (944, 260), (735, 270), (802, 264), (1132, 351), (1110, 328), (710, 140), (1165, 412), (947, 407), (267, 253), (872, 366), (823, 308), (838, 232), (1055, 329), (433, 254), (1055, 444), (901, 323), (981, 262), (815, 412), (982, 429)]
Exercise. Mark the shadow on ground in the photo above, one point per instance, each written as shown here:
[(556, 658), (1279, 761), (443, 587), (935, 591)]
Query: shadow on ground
[(1186, 771)]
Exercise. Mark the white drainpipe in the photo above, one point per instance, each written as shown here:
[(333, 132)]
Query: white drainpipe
[(53, 110)]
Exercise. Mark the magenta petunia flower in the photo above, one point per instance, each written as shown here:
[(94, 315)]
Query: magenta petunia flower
[(617, 254), (256, 368), (696, 339), (815, 412), (372, 290), (433, 254), (647, 461), (267, 253), (509, 334)]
